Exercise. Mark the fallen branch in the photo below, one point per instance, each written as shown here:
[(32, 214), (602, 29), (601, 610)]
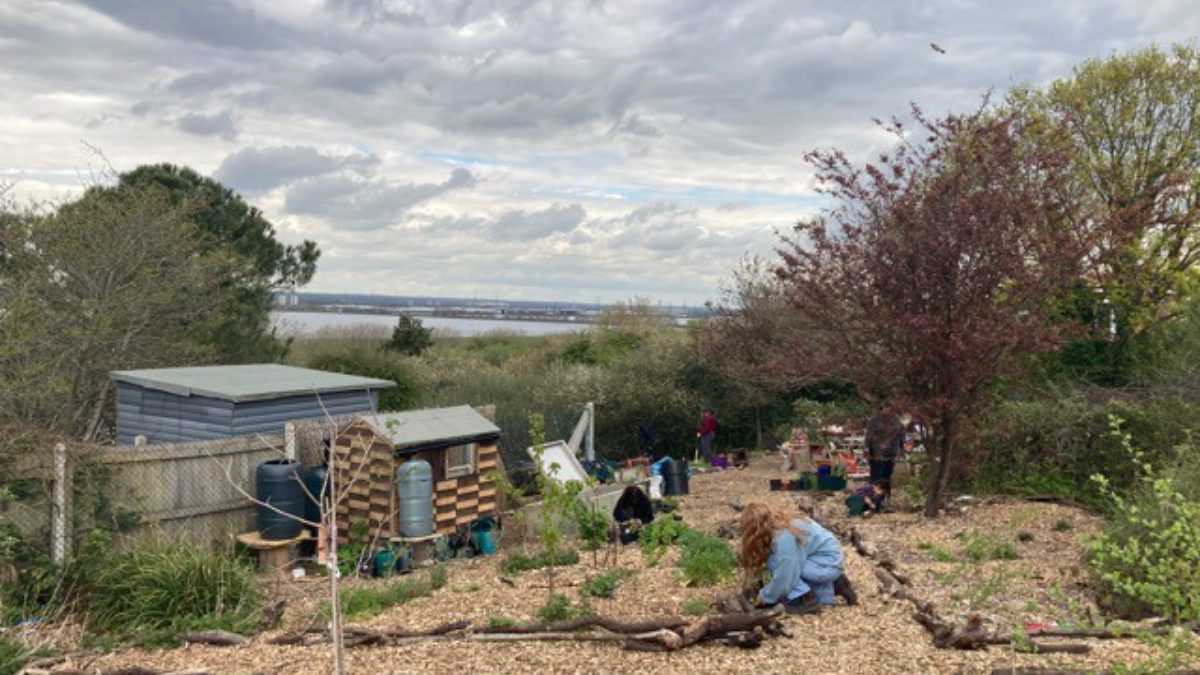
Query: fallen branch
[(217, 638), (608, 624), (1059, 671)]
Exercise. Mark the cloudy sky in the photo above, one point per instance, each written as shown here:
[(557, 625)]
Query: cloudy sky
[(543, 149)]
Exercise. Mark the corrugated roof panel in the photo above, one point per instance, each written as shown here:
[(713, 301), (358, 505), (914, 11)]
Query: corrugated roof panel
[(422, 427), (247, 382)]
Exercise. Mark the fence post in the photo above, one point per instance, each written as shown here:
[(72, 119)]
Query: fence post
[(59, 517), (289, 441), (589, 444)]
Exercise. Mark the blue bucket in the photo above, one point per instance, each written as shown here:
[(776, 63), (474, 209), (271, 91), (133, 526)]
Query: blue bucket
[(484, 535)]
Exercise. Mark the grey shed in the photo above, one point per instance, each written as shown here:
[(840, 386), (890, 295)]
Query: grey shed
[(168, 405)]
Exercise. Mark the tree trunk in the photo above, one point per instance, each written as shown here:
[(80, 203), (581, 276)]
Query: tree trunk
[(937, 478)]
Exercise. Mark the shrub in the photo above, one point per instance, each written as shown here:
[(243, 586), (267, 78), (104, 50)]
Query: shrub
[(373, 363), (156, 590), (655, 537), (519, 562), (705, 560), (1147, 559), (604, 585)]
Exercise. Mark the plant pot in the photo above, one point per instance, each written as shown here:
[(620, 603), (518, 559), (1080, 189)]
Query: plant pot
[(833, 483)]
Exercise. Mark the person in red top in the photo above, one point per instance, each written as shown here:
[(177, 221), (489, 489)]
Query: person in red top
[(708, 433)]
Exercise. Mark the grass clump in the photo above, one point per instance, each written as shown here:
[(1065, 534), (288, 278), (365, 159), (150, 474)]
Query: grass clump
[(1063, 526), (519, 562), (156, 590), (14, 655), (979, 548), (695, 607), (604, 585), (370, 599), (501, 622), (937, 552), (560, 608), (705, 560)]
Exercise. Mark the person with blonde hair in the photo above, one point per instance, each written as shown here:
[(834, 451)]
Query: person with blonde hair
[(804, 561)]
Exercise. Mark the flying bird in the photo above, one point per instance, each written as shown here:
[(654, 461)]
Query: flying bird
[(934, 46)]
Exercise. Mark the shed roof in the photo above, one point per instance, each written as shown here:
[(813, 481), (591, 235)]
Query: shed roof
[(442, 426), (253, 382)]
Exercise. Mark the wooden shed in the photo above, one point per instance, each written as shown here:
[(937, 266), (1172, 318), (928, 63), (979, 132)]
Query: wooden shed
[(459, 444), (169, 405)]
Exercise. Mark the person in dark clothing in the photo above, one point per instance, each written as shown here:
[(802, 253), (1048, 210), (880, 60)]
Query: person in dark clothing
[(884, 440), (633, 510), (872, 496), (708, 434)]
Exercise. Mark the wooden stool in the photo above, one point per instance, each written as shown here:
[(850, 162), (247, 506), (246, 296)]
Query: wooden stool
[(421, 547), (274, 555)]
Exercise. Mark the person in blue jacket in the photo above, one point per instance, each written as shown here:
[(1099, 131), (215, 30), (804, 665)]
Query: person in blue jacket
[(801, 561)]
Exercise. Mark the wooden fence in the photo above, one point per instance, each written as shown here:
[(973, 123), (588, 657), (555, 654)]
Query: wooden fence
[(195, 490)]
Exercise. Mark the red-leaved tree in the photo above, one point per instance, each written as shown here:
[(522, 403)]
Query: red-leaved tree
[(936, 268)]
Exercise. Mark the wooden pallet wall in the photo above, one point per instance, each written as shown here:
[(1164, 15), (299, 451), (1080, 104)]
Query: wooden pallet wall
[(459, 501), (364, 467)]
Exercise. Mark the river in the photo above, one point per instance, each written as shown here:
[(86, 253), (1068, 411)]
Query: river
[(291, 323)]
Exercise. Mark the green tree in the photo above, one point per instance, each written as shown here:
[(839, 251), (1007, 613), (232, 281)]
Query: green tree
[(232, 226), (1135, 122), (115, 280), (410, 337)]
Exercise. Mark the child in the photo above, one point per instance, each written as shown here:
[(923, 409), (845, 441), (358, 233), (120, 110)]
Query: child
[(803, 560), (872, 495)]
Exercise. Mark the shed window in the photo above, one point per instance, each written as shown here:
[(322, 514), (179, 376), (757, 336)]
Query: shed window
[(460, 460)]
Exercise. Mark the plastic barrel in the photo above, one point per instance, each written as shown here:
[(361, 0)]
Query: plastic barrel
[(314, 482), (675, 478), (278, 483), (414, 480)]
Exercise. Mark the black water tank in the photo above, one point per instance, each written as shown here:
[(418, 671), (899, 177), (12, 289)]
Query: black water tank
[(314, 483), (278, 483), (675, 477)]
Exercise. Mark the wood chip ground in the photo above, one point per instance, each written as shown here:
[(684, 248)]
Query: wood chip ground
[(1045, 583)]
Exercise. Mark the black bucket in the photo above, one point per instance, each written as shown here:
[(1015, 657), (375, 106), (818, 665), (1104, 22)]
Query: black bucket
[(675, 477)]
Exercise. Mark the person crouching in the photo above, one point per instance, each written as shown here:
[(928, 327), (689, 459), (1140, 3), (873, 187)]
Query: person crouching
[(804, 561)]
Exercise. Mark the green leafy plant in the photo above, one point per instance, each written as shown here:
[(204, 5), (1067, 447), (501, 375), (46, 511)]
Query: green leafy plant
[(704, 559), (604, 585), (656, 536), (1063, 526), (501, 622), (1148, 559), (695, 607), (369, 599)]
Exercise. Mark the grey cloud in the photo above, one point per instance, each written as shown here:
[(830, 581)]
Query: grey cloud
[(258, 170), (527, 226), (363, 204), (518, 225), (634, 125), (213, 22), (219, 124)]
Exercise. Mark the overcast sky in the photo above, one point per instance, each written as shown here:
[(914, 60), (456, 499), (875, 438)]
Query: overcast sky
[(576, 150)]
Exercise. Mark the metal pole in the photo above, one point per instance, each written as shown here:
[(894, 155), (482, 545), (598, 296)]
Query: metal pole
[(58, 511)]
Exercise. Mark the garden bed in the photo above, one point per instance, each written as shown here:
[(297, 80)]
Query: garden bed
[(947, 559)]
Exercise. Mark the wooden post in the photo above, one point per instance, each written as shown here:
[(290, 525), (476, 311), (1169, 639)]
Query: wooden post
[(289, 441), (59, 518)]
